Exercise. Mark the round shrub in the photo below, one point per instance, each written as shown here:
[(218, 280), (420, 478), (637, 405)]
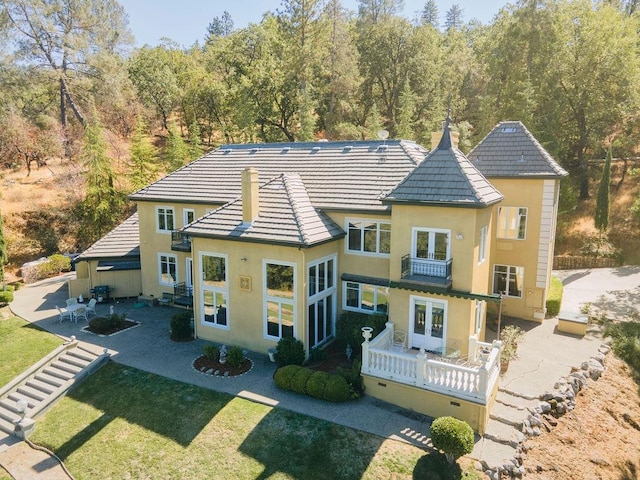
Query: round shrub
[(181, 326), (454, 437), (337, 389), (289, 351), (212, 352), (235, 357), (317, 383), (300, 379), (284, 376)]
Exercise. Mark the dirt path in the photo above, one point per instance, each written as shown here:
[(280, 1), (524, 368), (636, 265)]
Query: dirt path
[(600, 439)]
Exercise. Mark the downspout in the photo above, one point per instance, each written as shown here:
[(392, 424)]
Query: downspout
[(304, 297)]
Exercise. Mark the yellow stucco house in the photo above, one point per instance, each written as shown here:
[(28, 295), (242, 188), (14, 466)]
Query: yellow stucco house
[(266, 241)]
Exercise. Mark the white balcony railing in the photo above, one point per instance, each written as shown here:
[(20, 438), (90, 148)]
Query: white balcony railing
[(474, 383)]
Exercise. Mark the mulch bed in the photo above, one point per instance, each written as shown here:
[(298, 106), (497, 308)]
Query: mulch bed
[(336, 358), (123, 326), (204, 364)]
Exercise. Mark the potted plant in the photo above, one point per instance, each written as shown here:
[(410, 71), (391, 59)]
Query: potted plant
[(510, 336), (506, 354), (484, 354)]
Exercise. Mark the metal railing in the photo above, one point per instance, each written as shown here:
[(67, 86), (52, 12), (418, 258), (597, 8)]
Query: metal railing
[(425, 267)]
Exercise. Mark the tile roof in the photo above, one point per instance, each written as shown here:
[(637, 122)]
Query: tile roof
[(122, 241), (510, 150), (286, 216), (353, 175), (445, 177)]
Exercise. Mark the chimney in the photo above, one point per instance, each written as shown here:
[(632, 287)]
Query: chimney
[(250, 198)]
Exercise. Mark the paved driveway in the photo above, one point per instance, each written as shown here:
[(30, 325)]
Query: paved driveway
[(612, 291)]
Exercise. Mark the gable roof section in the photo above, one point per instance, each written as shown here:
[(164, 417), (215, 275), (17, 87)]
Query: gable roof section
[(286, 217), (510, 150), (121, 242), (445, 178), (353, 175)]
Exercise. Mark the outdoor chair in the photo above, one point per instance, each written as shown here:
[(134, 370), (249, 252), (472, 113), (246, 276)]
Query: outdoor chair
[(399, 343), (64, 313), (91, 307), (79, 312), (71, 301)]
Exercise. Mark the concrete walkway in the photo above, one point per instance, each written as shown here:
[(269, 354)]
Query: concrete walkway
[(543, 357)]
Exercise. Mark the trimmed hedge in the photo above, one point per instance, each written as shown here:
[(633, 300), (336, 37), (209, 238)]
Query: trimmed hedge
[(212, 352), (289, 351), (181, 326), (105, 325), (322, 385), (284, 376), (235, 357), (349, 327), (453, 436), (554, 298)]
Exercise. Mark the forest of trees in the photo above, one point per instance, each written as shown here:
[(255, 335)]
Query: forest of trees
[(568, 69)]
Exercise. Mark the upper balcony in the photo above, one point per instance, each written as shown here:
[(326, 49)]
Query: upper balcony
[(180, 242), (435, 273)]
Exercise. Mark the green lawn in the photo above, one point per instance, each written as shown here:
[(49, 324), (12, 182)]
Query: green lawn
[(21, 345), (125, 423)]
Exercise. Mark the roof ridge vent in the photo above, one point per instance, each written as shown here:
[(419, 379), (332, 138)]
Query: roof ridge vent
[(315, 149), (255, 150), (347, 148), (383, 148), (226, 151), (286, 149)]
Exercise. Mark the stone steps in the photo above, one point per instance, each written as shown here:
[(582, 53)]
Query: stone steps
[(44, 383)]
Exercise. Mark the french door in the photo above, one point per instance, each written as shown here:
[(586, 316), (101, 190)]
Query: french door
[(428, 323)]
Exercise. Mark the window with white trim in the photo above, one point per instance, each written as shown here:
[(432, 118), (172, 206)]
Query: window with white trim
[(368, 236), (482, 247), (167, 269), (164, 219), (188, 216), (363, 297), (215, 290), (512, 223), (321, 304), (508, 280), (279, 299)]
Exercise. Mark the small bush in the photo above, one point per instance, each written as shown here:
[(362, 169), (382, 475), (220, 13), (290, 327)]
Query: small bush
[(6, 296), (454, 437), (105, 325), (289, 351), (353, 378), (212, 352), (284, 376), (181, 326), (626, 343), (235, 357), (317, 355), (554, 298), (337, 389), (349, 328), (300, 379), (317, 383)]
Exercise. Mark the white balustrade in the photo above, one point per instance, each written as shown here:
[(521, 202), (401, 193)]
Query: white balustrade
[(473, 383)]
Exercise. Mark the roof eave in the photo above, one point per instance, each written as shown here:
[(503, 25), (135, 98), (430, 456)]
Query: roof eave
[(268, 242)]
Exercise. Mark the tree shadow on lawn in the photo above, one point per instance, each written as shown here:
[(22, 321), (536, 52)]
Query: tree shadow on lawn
[(173, 409), (306, 447), (434, 466)]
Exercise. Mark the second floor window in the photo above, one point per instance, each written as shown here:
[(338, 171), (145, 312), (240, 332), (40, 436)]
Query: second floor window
[(165, 219), (512, 223), (369, 236)]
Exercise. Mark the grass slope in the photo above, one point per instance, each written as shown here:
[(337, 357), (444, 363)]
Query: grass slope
[(21, 345), (125, 423)]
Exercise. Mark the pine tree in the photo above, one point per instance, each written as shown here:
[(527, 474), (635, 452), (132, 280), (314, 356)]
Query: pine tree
[(176, 151), (195, 141), (4, 258), (430, 14), (103, 202), (143, 154), (601, 218)]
